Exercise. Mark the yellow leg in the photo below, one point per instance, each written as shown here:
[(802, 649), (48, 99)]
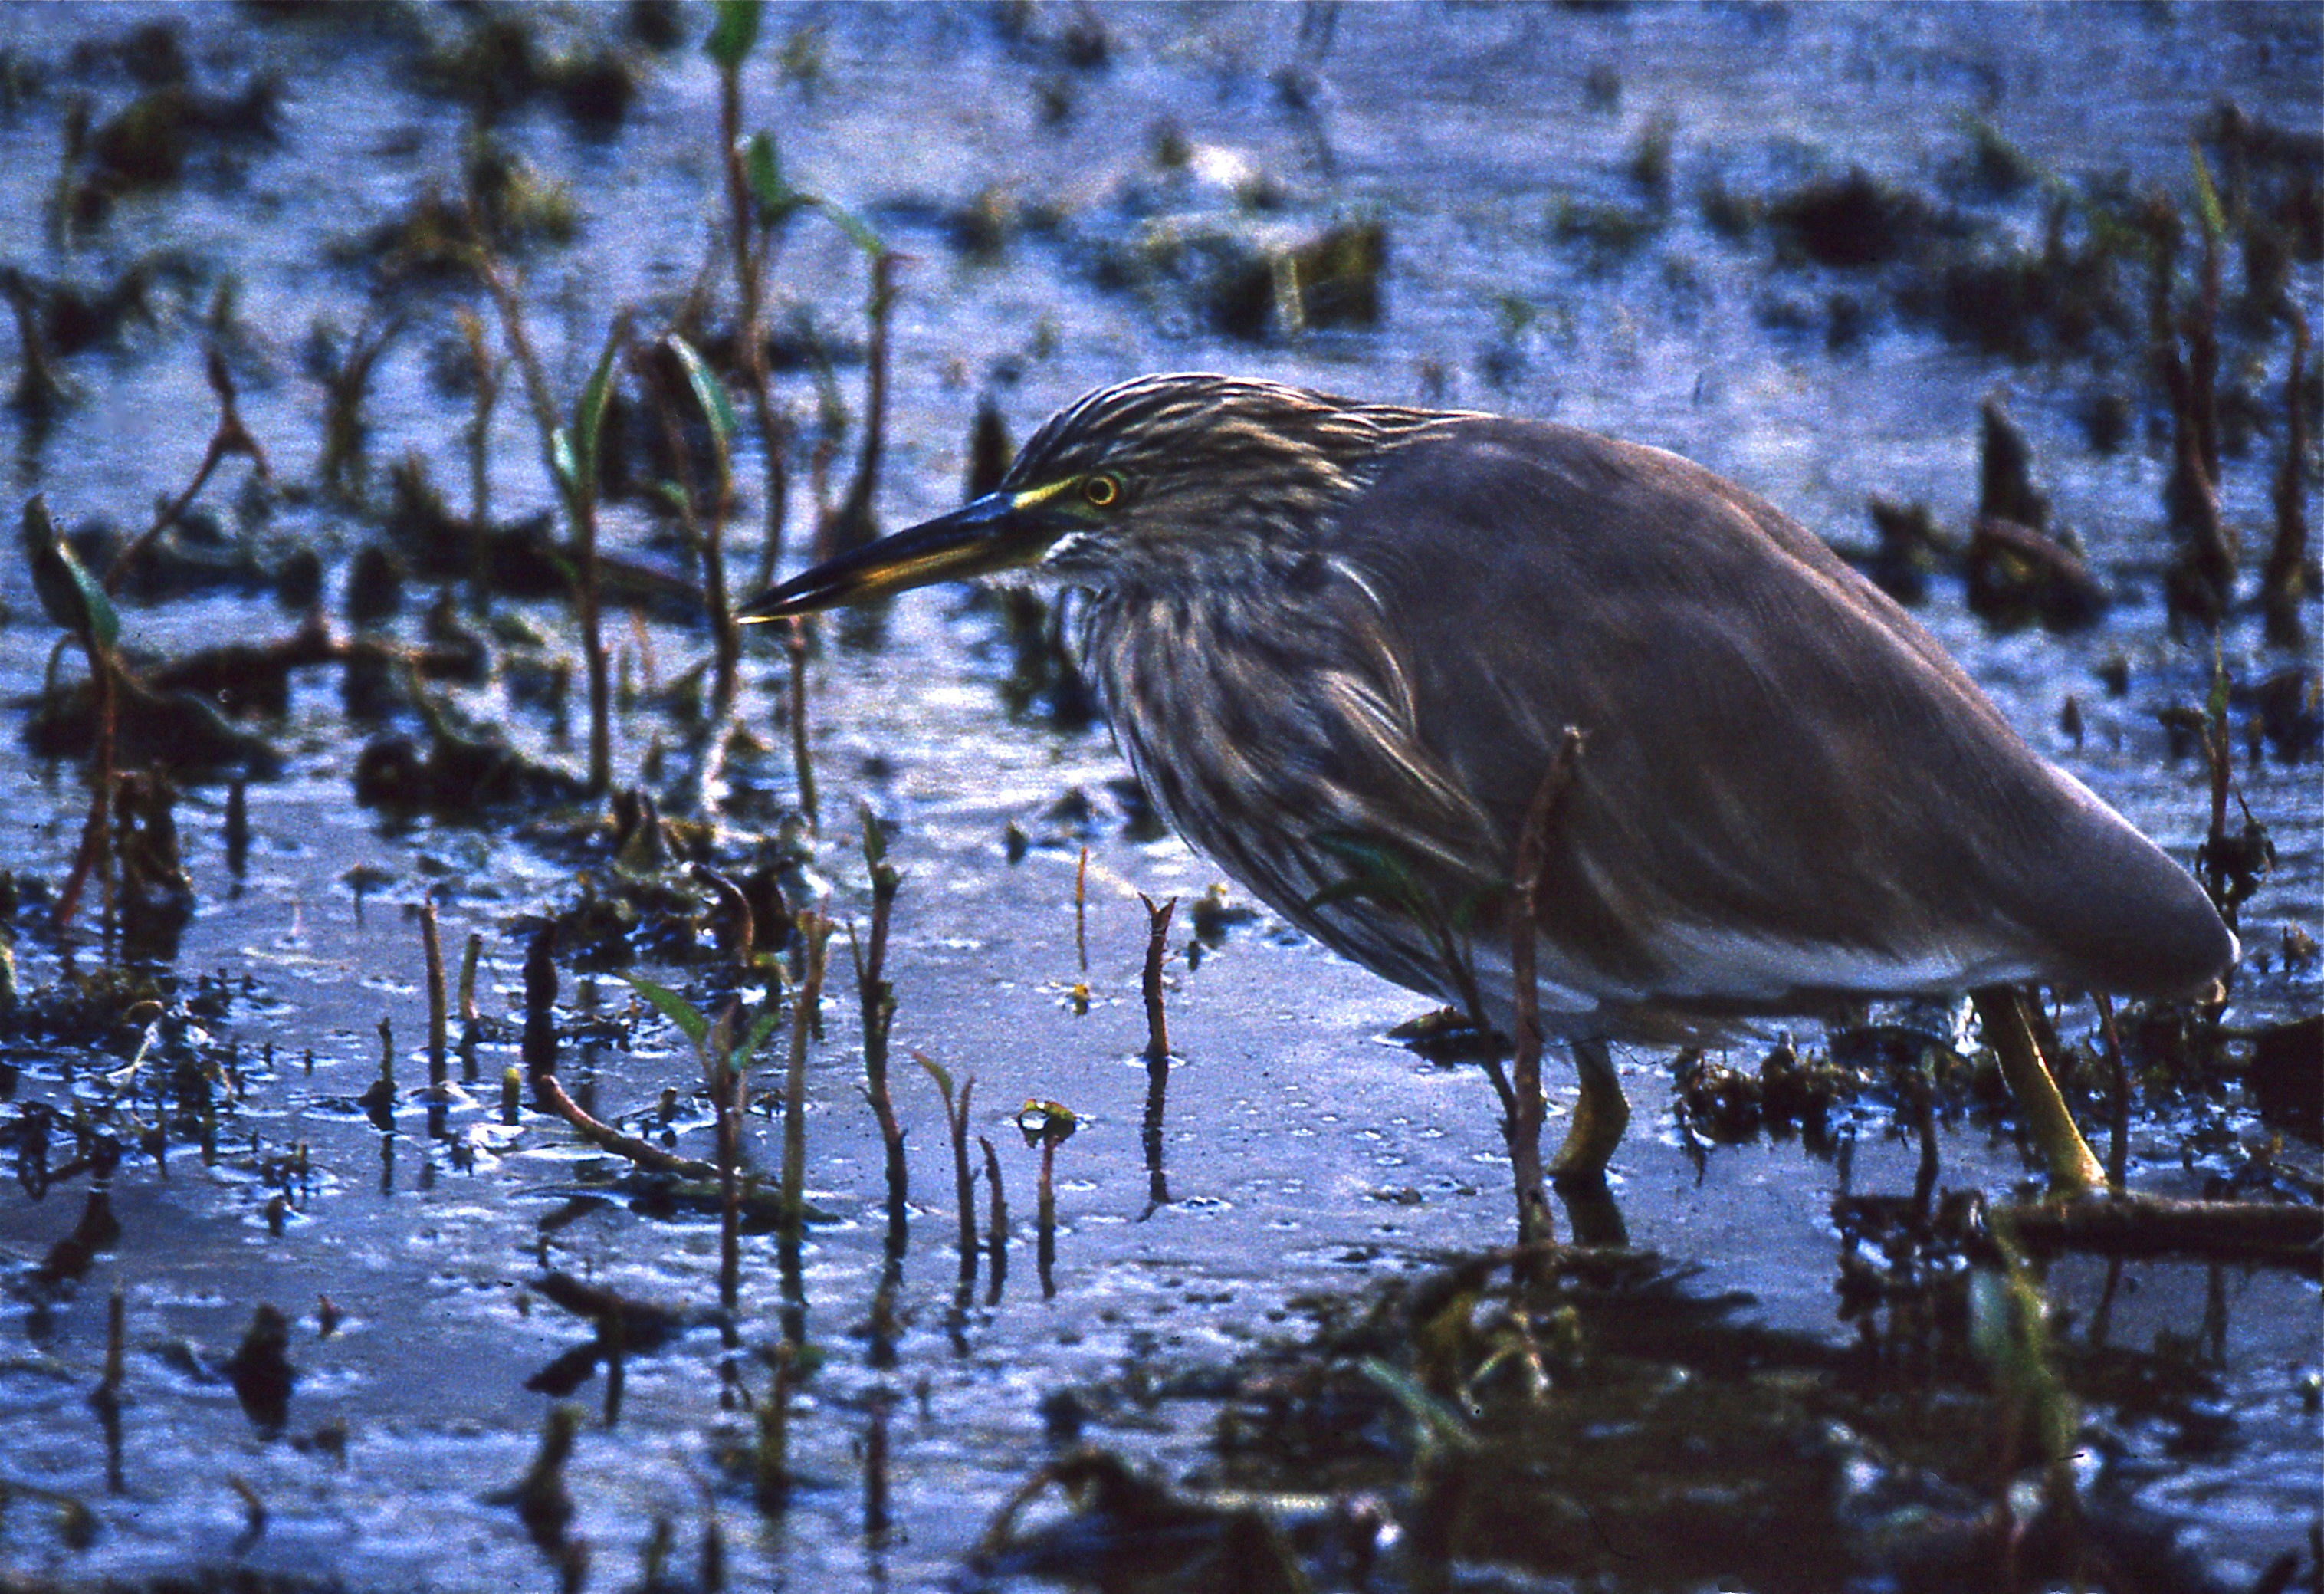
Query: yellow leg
[(2073, 1169), (1600, 1114)]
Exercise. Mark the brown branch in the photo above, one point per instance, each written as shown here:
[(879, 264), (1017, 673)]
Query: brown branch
[(230, 438), (2274, 1234), (550, 1095)]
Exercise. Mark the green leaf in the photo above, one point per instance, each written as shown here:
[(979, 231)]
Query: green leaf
[(769, 1017), (859, 231), (875, 840), (1434, 1418), (710, 392), (72, 598), (589, 413), (733, 33), (936, 1071), (676, 1008), (776, 199), (561, 459), (2207, 197)]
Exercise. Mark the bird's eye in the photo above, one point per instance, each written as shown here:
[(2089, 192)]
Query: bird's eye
[(1102, 491)]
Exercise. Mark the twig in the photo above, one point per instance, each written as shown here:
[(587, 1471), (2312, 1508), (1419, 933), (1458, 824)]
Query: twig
[(996, 1241), (1158, 1049), (2277, 1234), (550, 1095), (230, 438), (877, 998), (2118, 1103)]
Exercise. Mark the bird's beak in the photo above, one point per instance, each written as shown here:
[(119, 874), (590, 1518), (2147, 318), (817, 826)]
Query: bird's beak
[(997, 532)]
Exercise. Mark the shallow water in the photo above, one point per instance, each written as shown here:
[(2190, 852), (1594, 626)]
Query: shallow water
[(1303, 1155)]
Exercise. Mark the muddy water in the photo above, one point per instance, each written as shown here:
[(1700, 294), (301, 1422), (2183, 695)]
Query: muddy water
[(1303, 1156)]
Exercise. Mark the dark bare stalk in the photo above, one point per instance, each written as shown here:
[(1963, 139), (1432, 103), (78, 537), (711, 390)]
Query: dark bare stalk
[(877, 998), (814, 931), (802, 761), (550, 1096), (431, 943), (1048, 1125), (2285, 581), (1158, 1049), (1526, 1107), (230, 438)]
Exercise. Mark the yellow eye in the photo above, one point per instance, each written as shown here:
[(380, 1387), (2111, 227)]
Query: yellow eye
[(1102, 491)]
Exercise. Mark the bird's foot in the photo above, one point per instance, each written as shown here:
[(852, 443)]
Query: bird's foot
[(1600, 1115)]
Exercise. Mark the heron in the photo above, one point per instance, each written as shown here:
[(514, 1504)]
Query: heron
[(1341, 642)]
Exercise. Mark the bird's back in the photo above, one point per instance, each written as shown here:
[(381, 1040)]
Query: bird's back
[(1787, 789)]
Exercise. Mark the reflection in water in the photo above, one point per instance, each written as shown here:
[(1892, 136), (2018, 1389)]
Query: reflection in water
[(996, 1243), (1158, 1180), (1592, 1211)]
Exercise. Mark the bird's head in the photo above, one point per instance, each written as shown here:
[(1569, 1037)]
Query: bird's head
[(1152, 479)]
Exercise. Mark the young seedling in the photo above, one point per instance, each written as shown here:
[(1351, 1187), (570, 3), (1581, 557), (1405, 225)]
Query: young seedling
[(1048, 1125), (726, 1062), (964, 1178), (710, 393)]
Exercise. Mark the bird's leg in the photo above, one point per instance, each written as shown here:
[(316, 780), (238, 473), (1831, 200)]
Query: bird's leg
[(1600, 1114), (2074, 1169)]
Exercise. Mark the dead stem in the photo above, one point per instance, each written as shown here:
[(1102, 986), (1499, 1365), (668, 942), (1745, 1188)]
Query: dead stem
[(550, 1095), (1157, 1049), (229, 439), (2271, 1234), (878, 998)]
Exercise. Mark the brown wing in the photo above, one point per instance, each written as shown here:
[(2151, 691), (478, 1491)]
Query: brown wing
[(1788, 788)]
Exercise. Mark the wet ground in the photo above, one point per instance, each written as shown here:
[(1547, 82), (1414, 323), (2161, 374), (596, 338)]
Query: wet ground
[(1622, 218)]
